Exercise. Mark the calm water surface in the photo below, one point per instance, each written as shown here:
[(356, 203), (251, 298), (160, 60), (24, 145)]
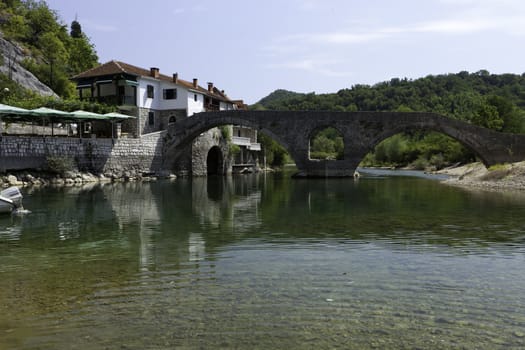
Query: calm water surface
[(264, 262)]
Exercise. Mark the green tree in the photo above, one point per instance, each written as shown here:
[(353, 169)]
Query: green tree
[(392, 150), (41, 20), (511, 116), (76, 30), (82, 55), (275, 154), (16, 28), (487, 116), (327, 144), (55, 55)]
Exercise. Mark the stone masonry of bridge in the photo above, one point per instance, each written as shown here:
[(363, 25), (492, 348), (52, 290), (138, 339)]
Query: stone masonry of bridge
[(361, 132)]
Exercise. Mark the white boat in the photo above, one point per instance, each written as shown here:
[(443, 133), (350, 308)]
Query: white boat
[(10, 200)]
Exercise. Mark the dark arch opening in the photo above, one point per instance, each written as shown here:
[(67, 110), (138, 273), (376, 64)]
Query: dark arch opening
[(214, 161), (326, 143), (172, 120)]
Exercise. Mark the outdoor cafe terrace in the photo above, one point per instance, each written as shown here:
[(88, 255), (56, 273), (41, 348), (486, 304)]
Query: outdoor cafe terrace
[(51, 122)]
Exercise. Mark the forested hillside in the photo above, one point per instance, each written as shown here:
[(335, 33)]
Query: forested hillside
[(495, 101), (53, 51), (277, 97)]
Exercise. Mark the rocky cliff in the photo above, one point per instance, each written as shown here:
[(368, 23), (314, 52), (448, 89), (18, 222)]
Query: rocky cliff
[(10, 57)]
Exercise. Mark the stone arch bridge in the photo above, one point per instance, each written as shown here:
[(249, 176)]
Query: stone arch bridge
[(361, 132)]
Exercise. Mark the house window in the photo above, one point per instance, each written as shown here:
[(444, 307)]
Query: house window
[(195, 97), (150, 90), (151, 118), (169, 94), (85, 93)]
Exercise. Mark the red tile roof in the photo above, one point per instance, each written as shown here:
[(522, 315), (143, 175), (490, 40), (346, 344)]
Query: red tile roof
[(118, 67)]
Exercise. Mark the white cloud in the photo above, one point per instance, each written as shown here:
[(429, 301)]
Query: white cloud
[(197, 8), (307, 5), (347, 38), (454, 26), (506, 16), (468, 24), (99, 27), (320, 66), (464, 17), (455, 18)]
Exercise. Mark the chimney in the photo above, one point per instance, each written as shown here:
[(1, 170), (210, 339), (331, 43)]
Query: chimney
[(175, 78), (154, 72), (195, 83), (210, 87)]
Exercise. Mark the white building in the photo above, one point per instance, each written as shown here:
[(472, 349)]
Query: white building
[(158, 100)]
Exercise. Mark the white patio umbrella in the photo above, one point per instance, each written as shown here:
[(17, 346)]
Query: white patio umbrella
[(11, 111)]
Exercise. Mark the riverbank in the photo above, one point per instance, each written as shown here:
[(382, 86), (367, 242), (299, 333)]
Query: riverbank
[(505, 177), (73, 178)]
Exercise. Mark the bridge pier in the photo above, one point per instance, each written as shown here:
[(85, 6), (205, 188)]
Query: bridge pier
[(326, 168), (325, 172)]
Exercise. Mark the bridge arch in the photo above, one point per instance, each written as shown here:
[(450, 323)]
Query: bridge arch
[(448, 129), (362, 131), (183, 133), (319, 130), (214, 161)]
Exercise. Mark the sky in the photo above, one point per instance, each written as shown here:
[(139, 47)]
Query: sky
[(250, 48)]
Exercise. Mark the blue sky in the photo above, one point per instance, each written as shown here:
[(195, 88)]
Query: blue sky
[(251, 48)]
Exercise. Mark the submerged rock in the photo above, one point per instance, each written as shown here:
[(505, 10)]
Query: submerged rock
[(13, 181), (75, 178)]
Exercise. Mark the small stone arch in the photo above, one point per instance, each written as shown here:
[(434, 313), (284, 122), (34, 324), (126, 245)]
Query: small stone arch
[(214, 161), (326, 142), (172, 120)]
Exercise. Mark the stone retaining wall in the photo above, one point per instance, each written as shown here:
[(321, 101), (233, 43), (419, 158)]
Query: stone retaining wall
[(95, 155)]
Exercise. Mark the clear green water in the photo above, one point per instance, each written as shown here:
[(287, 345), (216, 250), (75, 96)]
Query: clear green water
[(264, 262)]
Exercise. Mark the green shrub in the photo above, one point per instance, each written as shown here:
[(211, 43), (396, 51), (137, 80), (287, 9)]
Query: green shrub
[(234, 149), (438, 161), (226, 132), (421, 163), (498, 167), (60, 165), (322, 155)]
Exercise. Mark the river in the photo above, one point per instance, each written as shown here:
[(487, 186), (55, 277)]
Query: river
[(264, 262)]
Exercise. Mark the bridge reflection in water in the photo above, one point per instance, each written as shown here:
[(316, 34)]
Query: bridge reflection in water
[(382, 258)]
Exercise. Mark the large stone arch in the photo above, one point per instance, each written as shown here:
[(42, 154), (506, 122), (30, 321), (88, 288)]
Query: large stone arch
[(472, 137), (361, 132), (182, 134), (463, 141)]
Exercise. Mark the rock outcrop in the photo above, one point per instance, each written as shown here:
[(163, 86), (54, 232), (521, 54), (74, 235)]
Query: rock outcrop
[(505, 177), (10, 65)]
